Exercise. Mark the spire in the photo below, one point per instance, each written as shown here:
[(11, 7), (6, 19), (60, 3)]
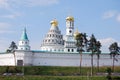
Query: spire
[(24, 35)]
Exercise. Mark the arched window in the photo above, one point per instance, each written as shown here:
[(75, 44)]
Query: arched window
[(49, 40), (72, 50), (53, 35), (25, 42), (52, 40), (68, 50)]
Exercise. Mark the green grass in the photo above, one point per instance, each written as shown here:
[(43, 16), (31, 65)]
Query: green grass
[(53, 73), (53, 70), (50, 78)]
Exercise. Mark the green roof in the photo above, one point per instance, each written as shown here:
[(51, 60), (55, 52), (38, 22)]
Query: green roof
[(24, 35)]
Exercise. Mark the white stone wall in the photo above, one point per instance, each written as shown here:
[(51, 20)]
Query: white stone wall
[(54, 59), (67, 59), (7, 59), (26, 56)]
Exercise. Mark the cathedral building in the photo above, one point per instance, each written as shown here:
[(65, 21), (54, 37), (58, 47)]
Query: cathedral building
[(54, 50)]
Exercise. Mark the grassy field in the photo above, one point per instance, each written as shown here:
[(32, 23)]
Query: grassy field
[(54, 73), (50, 78), (55, 78)]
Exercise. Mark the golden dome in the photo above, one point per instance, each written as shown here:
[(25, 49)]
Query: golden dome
[(54, 23), (76, 33), (70, 18)]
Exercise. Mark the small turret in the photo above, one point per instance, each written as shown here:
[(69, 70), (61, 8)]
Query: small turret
[(24, 42)]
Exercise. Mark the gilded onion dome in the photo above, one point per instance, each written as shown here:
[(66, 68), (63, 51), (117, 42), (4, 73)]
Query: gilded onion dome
[(70, 18), (76, 33), (54, 23)]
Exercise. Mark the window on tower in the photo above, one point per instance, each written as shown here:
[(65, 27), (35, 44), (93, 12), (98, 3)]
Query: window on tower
[(70, 31), (68, 50), (72, 50), (25, 42)]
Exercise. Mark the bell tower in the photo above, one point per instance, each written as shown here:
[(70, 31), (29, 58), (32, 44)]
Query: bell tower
[(69, 45), (70, 26)]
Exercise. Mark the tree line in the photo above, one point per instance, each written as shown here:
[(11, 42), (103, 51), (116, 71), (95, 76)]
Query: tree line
[(94, 46)]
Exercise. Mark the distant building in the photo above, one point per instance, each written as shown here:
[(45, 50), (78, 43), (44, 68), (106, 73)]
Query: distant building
[(54, 50)]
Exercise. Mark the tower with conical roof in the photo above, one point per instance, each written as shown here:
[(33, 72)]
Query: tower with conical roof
[(69, 45), (53, 40), (24, 41)]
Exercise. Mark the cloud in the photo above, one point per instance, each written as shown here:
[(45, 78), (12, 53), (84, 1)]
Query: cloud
[(4, 44), (5, 28), (115, 15), (10, 3), (4, 4), (11, 16), (4, 25), (109, 14), (118, 18), (41, 2), (106, 43)]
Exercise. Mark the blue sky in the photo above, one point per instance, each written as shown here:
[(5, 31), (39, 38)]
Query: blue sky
[(98, 17)]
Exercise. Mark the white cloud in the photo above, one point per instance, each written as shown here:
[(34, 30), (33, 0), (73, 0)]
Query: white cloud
[(106, 43), (5, 28), (4, 45), (41, 2), (109, 14), (11, 5), (118, 18), (31, 3), (4, 4), (11, 16), (4, 25), (112, 14)]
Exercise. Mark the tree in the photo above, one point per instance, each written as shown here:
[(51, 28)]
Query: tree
[(12, 47), (114, 50), (81, 41), (94, 47), (98, 52)]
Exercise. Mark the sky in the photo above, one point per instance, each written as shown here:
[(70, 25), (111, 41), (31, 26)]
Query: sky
[(98, 17)]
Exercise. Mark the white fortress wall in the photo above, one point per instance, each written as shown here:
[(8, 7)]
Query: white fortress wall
[(70, 59), (54, 59), (25, 56), (7, 59)]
